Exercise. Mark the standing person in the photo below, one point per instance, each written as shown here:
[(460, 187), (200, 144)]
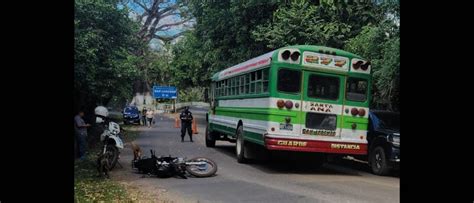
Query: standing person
[(144, 116), (186, 121), (149, 117), (80, 128)]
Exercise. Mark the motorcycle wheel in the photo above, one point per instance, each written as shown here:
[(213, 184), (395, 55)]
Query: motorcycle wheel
[(112, 155), (198, 172)]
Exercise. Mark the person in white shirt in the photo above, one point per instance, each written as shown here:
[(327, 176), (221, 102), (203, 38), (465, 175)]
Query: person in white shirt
[(149, 117)]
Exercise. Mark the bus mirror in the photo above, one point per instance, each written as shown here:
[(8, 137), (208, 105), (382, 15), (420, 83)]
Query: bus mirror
[(285, 55)]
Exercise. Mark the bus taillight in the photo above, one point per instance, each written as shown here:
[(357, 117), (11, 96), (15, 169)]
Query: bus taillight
[(280, 103), (288, 104), (361, 112), (354, 111)]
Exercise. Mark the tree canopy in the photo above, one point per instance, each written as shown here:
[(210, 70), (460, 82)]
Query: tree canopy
[(223, 34)]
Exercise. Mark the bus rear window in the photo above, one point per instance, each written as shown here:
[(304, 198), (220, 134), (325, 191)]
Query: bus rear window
[(323, 87), (289, 80), (321, 121), (356, 89)]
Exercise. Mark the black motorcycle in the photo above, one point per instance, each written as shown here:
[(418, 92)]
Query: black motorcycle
[(169, 166)]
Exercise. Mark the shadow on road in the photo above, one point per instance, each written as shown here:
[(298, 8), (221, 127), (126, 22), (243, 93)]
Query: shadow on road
[(287, 164)]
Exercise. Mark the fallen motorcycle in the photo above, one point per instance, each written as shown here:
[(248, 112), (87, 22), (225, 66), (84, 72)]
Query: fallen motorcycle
[(169, 166)]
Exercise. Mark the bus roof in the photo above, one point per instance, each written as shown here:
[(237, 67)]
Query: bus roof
[(265, 59)]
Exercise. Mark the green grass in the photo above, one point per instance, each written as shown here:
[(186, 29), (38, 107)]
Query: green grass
[(88, 187)]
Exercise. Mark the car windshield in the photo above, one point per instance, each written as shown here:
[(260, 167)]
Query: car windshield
[(131, 110), (388, 120)]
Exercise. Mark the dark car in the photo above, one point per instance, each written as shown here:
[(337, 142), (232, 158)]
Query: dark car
[(384, 141), (131, 115)]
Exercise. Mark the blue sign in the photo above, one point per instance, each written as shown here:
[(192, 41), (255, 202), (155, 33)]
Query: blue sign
[(164, 92)]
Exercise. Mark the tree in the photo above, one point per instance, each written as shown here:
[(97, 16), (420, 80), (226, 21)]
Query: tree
[(155, 17), (381, 44), (220, 38), (152, 14), (103, 61), (329, 23)]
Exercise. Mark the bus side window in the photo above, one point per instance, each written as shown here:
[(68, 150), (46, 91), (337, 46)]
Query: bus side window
[(265, 80), (247, 83), (289, 80), (242, 83)]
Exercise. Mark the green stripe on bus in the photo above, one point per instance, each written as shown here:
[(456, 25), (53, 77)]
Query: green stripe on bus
[(275, 115), (250, 136)]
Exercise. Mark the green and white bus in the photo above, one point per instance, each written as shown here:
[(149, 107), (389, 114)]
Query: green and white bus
[(297, 98)]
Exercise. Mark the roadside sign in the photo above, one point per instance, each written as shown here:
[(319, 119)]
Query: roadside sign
[(164, 92)]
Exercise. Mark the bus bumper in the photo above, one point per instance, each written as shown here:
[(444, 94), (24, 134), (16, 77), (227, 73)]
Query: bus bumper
[(305, 145)]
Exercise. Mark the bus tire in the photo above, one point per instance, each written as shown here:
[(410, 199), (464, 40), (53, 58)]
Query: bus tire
[(378, 162), (240, 145), (210, 139)]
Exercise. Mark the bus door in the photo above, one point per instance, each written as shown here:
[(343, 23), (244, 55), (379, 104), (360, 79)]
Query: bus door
[(355, 107), (322, 99)]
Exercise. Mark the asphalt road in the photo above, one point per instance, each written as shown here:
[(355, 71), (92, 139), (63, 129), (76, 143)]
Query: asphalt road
[(259, 181)]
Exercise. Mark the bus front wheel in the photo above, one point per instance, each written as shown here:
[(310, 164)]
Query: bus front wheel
[(240, 145)]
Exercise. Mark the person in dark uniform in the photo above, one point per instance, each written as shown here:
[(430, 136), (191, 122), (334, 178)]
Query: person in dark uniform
[(186, 121), (144, 116)]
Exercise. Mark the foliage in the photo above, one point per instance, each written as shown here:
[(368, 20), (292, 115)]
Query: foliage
[(104, 39), (381, 44), (225, 33), (327, 24), (192, 94), (221, 38)]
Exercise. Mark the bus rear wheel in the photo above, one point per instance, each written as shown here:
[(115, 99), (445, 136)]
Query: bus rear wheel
[(240, 146), (210, 139)]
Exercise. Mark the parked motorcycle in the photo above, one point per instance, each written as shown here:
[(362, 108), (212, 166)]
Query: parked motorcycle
[(169, 166), (110, 137)]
